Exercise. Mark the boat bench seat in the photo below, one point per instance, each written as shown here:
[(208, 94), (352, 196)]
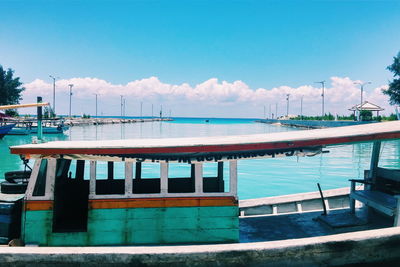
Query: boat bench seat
[(376, 196)]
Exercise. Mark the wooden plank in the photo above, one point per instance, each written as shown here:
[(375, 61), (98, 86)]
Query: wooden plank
[(233, 177), (163, 178), (161, 202), (376, 148), (92, 182), (198, 178), (38, 205), (68, 239), (128, 177), (25, 105), (389, 174), (377, 200)]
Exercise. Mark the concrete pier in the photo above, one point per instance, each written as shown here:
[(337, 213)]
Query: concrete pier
[(99, 121), (313, 124)]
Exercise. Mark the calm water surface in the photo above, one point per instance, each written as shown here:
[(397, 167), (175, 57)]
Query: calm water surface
[(257, 177)]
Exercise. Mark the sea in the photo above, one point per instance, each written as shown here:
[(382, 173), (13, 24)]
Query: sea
[(256, 177)]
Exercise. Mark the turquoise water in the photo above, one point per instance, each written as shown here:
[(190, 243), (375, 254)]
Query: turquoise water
[(257, 177)]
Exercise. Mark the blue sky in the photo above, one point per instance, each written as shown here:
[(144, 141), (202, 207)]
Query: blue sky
[(264, 44)]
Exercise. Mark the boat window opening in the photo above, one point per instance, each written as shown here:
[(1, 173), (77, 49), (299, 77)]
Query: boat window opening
[(71, 193), (147, 178), (213, 181), (40, 186), (110, 178), (181, 178), (79, 170)]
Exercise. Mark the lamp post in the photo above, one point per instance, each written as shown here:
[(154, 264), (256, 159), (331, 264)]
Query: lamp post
[(70, 97), (141, 109), (96, 103), (323, 98), (54, 93), (270, 115), (301, 108), (361, 97), (264, 114), (287, 106), (121, 104)]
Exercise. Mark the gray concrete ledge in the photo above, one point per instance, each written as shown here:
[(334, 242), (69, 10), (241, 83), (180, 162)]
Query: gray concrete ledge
[(334, 250), (313, 123)]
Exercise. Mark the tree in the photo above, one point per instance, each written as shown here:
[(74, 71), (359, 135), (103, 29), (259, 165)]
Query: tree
[(394, 86), (10, 89)]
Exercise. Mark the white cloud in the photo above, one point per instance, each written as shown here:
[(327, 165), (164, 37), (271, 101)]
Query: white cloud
[(231, 99)]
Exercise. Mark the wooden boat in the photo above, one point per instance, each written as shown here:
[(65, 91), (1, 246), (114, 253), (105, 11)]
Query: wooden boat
[(30, 127), (71, 202)]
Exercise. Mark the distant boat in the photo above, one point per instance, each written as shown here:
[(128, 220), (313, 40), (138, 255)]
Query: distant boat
[(48, 127), (4, 129)]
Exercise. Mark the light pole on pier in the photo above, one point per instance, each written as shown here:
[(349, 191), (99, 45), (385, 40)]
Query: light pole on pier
[(152, 106), (323, 98), (361, 96), (264, 114), (96, 103), (54, 93), (276, 110), (70, 97), (287, 105), (270, 115), (141, 109), (121, 103)]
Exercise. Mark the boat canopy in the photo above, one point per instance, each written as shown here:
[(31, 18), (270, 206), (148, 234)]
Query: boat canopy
[(212, 149)]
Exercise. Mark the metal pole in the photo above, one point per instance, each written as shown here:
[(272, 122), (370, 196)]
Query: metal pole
[(287, 106), (54, 94), (70, 96), (301, 108), (141, 109), (96, 104), (161, 112), (361, 97), (152, 110), (270, 111), (323, 98), (121, 105), (264, 113), (39, 119), (276, 110)]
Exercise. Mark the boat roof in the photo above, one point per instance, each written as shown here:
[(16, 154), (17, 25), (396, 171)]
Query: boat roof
[(214, 148)]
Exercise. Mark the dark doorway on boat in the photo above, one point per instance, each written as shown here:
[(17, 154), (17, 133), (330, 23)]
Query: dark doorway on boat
[(71, 193)]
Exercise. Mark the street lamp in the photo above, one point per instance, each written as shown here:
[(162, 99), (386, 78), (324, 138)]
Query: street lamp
[(301, 108), (323, 98), (287, 106), (361, 96), (96, 104), (70, 96), (54, 93), (121, 104)]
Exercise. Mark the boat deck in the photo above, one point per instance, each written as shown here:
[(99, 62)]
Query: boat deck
[(308, 224)]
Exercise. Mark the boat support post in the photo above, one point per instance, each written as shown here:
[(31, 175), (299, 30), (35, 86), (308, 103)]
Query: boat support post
[(322, 199), (39, 119)]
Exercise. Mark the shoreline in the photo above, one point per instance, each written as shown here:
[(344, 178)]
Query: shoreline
[(100, 121)]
